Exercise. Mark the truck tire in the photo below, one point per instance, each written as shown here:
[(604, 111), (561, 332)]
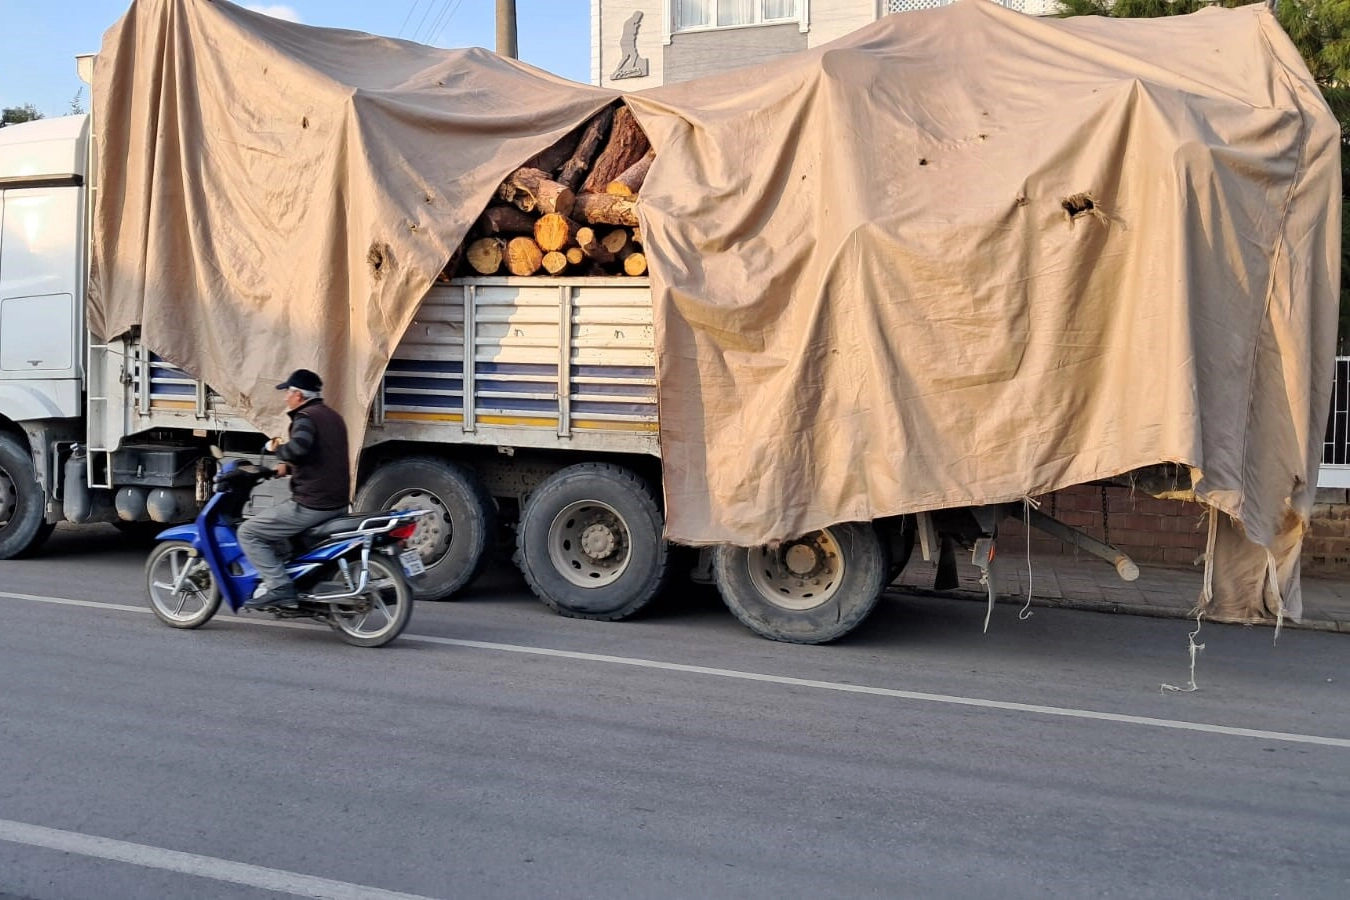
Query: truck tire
[(590, 542), (455, 539), (811, 590), (23, 515)]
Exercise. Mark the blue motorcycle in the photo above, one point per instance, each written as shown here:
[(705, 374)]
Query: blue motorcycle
[(349, 571)]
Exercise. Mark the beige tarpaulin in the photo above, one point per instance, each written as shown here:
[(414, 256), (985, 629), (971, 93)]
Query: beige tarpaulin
[(965, 255), (274, 195), (959, 257)]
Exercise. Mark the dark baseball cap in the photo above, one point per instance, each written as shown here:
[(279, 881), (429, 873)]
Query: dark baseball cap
[(303, 379)]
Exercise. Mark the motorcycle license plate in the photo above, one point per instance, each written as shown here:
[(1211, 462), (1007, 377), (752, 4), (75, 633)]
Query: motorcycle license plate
[(412, 563)]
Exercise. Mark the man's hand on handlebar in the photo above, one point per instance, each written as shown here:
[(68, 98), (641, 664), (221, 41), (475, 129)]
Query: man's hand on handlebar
[(281, 470)]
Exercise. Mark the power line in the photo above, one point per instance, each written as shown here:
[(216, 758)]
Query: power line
[(441, 29), (424, 18), (419, 34), (411, 9)]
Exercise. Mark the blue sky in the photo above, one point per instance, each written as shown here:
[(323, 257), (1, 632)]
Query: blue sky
[(43, 37)]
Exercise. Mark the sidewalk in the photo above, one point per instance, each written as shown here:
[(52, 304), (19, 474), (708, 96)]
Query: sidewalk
[(1090, 584)]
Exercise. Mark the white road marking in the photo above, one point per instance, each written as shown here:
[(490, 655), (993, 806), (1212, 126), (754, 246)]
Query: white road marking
[(839, 686), (64, 601), (191, 863)]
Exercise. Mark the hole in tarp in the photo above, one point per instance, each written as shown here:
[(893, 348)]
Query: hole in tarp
[(1078, 204), (376, 257)]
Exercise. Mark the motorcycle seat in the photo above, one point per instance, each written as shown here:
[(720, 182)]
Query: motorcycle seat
[(312, 537)]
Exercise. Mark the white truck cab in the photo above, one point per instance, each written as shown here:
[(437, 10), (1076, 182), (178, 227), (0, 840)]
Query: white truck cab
[(43, 240), (43, 183)]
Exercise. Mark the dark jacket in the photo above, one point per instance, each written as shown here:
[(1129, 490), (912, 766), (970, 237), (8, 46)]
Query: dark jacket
[(317, 452)]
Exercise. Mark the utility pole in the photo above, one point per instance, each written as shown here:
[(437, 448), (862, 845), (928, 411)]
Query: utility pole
[(506, 29)]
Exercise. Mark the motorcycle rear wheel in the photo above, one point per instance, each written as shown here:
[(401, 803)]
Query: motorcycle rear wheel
[(386, 608), (180, 600)]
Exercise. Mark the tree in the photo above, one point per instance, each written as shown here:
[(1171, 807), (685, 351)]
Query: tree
[(77, 103), (1320, 29), (13, 115)]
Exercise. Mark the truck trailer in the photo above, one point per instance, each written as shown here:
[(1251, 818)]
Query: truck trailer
[(539, 409)]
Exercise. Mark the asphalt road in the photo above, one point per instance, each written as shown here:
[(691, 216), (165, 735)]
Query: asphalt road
[(498, 750)]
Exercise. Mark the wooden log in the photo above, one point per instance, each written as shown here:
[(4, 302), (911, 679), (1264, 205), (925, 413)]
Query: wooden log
[(485, 255), (618, 242), (554, 232), (635, 263), (589, 243), (630, 179), (448, 272), (555, 262), (575, 256), (605, 209), (505, 220), (531, 190), (627, 144), (597, 129), (551, 159), (523, 256)]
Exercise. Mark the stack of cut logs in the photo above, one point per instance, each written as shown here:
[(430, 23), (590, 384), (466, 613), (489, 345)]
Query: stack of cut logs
[(571, 210)]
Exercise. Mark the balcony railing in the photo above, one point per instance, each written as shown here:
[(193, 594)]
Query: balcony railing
[(1030, 7)]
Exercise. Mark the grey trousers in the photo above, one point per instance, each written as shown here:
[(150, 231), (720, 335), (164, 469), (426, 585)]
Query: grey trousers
[(262, 538)]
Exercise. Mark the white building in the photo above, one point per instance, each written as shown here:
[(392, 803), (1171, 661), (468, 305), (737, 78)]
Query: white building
[(638, 44)]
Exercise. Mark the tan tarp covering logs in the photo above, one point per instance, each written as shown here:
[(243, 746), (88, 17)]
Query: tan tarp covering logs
[(274, 195), (876, 301), (872, 296)]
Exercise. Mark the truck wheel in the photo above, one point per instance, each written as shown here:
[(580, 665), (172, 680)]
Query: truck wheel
[(590, 542), (454, 540), (23, 518), (810, 590)]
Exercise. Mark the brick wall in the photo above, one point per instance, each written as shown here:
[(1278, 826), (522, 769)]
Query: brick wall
[(1172, 532), (1326, 550)]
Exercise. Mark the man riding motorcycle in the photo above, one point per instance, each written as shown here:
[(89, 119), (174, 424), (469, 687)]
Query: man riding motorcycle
[(315, 455)]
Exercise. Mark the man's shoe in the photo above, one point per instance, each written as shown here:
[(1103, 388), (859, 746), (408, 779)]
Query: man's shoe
[(277, 597)]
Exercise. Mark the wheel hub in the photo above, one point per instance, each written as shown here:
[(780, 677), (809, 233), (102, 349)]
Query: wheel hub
[(799, 575), (802, 560), (589, 544), (431, 537), (598, 541)]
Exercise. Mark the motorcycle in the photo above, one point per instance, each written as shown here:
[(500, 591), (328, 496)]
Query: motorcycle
[(350, 572)]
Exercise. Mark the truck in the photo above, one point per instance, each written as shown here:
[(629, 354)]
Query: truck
[(521, 411), (520, 403)]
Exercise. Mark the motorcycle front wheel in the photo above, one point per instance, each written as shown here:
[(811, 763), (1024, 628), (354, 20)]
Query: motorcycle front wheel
[(183, 592), (380, 614)]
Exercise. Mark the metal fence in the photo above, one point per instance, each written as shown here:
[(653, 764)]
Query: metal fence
[(1336, 450)]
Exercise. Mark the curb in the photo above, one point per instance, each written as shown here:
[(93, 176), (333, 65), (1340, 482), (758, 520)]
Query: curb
[(1114, 607)]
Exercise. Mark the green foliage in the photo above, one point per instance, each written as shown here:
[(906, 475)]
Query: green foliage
[(1320, 29), (77, 103), (13, 115), (1128, 9)]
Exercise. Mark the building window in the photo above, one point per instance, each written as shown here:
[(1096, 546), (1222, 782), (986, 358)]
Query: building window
[(688, 14)]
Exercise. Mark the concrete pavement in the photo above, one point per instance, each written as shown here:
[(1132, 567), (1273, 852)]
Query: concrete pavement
[(1090, 584)]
